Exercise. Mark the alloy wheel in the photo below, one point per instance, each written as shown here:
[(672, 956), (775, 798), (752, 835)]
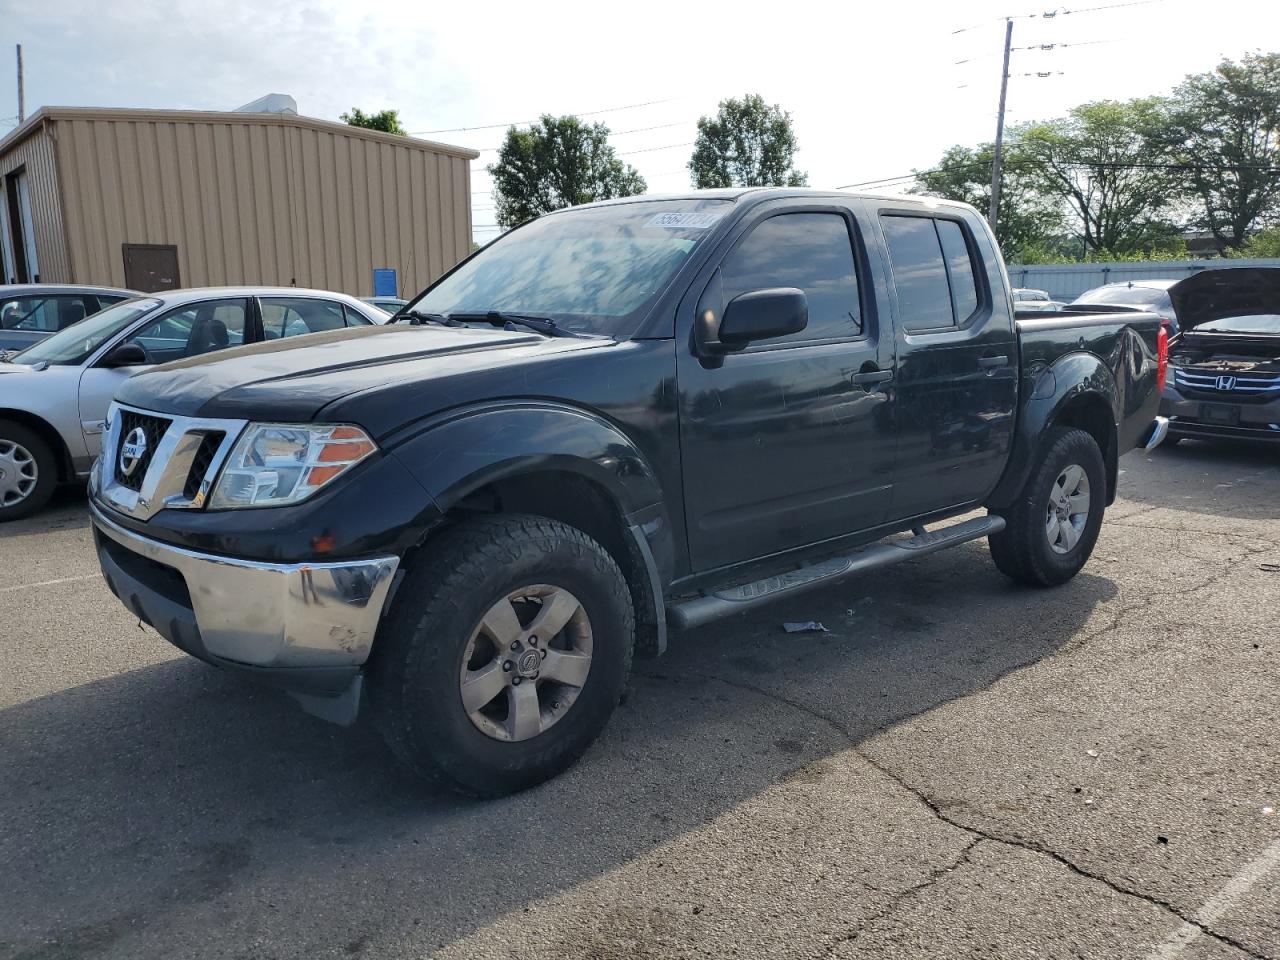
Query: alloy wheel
[(1068, 509), (526, 662)]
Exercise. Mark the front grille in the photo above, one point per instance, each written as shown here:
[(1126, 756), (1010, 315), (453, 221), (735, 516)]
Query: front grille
[(200, 464), (1207, 383), (153, 429)]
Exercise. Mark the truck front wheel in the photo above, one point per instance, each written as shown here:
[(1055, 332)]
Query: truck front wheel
[(504, 655), (1051, 530)]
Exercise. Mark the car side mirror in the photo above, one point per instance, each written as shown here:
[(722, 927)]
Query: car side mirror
[(125, 355), (762, 315)]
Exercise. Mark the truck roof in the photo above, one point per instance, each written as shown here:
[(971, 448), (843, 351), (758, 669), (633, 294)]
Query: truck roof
[(776, 193)]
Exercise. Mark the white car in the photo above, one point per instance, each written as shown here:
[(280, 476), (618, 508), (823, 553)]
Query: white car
[(54, 395)]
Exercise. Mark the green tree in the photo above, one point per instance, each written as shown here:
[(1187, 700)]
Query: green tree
[(1225, 126), (558, 162), (388, 121), (1264, 243), (747, 144), (1028, 221), (1106, 163)]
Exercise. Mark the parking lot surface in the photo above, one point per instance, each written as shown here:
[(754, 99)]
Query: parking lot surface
[(959, 768)]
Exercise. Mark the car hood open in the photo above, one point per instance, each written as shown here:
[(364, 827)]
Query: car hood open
[(1231, 292)]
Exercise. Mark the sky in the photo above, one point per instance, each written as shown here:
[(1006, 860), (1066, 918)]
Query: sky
[(874, 90)]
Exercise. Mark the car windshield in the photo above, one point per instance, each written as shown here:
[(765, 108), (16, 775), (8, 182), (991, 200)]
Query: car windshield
[(595, 270), (74, 344), (1126, 295), (1253, 323)]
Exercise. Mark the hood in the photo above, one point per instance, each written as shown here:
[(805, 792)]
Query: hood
[(292, 380), (1232, 292)]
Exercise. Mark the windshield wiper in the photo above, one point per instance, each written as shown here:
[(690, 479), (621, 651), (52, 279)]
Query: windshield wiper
[(500, 318), (419, 317)]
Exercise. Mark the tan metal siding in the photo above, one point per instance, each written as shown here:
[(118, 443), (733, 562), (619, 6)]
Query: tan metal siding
[(250, 199), (36, 154)]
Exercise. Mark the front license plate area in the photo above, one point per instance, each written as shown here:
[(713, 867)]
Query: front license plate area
[(1221, 413)]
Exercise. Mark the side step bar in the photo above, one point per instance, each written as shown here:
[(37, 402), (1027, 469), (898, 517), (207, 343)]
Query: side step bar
[(726, 601)]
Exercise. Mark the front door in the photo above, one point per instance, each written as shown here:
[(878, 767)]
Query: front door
[(182, 332), (790, 441)]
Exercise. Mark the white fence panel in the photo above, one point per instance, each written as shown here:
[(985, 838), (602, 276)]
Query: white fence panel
[(1066, 281)]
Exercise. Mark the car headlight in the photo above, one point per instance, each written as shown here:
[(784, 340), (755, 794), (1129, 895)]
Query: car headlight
[(273, 464)]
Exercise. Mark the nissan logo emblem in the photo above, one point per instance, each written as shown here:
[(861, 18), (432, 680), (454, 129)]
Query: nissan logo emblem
[(132, 451)]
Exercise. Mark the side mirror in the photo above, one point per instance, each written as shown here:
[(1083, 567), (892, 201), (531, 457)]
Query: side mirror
[(762, 314), (125, 355)]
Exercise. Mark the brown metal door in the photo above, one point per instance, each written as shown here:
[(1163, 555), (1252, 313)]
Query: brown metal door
[(150, 267)]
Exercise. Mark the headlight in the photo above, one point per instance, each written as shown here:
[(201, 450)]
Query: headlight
[(274, 464)]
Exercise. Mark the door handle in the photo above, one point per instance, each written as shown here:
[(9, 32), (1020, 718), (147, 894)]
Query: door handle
[(871, 377), (991, 363)]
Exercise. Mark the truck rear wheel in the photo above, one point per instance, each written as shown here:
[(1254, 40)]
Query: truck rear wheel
[(504, 655), (1052, 528)]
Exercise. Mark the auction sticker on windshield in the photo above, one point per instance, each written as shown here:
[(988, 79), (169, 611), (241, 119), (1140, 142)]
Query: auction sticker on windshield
[(683, 221)]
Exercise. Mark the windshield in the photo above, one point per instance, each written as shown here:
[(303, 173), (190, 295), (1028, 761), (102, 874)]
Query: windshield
[(1127, 295), (592, 270), (74, 344), (1253, 323)]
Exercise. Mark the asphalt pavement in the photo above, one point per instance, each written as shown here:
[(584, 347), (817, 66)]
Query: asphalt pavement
[(959, 768)]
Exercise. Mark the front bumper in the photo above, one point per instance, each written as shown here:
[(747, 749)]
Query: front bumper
[(307, 627), (1256, 420)]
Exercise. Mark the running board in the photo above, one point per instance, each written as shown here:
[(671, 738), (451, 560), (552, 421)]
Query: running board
[(726, 601)]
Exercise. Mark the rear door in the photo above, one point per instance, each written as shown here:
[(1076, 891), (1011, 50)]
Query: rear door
[(782, 445), (957, 360)]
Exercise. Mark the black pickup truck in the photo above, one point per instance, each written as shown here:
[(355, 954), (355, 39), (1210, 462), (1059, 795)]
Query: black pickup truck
[(615, 419)]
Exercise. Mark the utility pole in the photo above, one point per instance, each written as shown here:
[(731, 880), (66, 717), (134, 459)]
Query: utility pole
[(997, 154), (22, 98)]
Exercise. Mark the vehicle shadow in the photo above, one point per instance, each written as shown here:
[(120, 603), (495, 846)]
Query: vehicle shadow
[(175, 811)]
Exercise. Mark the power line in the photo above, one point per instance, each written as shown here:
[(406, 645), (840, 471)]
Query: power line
[(612, 133), (1058, 12), (588, 113), (1082, 164), (1034, 46)]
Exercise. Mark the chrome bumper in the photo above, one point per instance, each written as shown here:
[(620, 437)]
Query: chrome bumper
[(1159, 429), (264, 615)]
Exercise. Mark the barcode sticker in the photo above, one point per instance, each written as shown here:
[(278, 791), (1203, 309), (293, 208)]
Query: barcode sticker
[(683, 221)]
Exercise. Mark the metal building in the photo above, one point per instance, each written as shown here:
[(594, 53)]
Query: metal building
[(153, 199)]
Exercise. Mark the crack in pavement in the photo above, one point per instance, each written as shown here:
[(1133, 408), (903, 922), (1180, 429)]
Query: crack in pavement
[(923, 798), (898, 899), (1153, 597)]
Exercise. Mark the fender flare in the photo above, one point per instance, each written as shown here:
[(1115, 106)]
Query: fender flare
[(458, 453), (1055, 387)]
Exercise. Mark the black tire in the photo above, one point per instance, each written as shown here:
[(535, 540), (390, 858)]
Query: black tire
[(1023, 551), (414, 672), (32, 449)]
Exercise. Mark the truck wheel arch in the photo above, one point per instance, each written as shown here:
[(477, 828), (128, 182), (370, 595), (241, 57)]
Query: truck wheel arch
[(499, 459), (1078, 390)]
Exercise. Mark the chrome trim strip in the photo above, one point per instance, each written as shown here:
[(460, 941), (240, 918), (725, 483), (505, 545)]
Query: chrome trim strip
[(274, 614)]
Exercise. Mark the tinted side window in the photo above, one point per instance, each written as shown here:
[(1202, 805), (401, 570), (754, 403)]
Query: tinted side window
[(294, 316), (355, 318), (191, 331), (810, 251), (45, 314), (919, 274), (964, 285)]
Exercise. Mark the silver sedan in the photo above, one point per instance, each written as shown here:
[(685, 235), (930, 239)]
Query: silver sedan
[(54, 395)]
